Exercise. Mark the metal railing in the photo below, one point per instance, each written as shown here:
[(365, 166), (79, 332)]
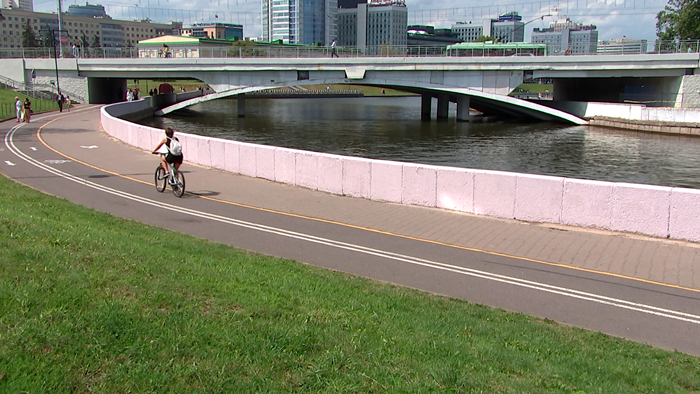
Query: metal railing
[(7, 110), (28, 89), (305, 92), (623, 48)]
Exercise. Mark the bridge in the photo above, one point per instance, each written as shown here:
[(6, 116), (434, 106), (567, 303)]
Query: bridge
[(482, 83)]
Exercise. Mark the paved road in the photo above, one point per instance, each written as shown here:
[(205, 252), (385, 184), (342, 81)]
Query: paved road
[(644, 289)]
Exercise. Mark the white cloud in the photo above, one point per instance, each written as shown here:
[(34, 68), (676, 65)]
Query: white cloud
[(635, 19)]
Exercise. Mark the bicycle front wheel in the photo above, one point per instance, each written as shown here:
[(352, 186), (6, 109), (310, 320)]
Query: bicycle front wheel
[(160, 179), (179, 186)]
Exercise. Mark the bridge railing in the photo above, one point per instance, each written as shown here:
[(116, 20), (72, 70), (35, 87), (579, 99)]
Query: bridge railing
[(621, 48)]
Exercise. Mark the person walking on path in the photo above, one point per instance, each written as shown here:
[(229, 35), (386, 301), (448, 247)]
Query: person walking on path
[(18, 108), (60, 99), (333, 53), (27, 110)]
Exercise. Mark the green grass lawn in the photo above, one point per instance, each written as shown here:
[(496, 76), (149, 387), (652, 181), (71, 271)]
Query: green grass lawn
[(534, 88), (95, 303), (7, 104), (145, 85)]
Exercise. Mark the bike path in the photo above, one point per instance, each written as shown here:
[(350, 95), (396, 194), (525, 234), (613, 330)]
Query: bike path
[(565, 274)]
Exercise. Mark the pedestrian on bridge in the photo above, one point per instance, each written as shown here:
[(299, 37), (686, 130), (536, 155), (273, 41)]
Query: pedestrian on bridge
[(333, 53)]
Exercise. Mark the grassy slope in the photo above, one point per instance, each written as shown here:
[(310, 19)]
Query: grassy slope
[(101, 304), (7, 104)]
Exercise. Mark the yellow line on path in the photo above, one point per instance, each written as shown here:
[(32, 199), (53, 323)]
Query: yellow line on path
[(38, 134)]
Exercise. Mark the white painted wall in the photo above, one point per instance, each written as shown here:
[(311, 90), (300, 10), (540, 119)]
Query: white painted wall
[(663, 212)]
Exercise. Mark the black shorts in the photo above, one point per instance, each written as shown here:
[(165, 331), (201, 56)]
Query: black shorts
[(170, 158)]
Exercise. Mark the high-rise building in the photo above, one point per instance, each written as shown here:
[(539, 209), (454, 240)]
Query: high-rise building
[(565, 37), (380, 22), (111, 33), (506, 28), (299, 22), (24, 5)]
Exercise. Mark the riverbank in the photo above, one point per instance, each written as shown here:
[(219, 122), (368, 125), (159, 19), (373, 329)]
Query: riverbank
[(682, 128)]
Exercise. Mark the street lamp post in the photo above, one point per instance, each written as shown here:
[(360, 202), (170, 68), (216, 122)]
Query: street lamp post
[(55, 57), (539, 18), (60, 28)]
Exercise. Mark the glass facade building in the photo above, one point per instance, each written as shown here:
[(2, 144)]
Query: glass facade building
[(300, 21)]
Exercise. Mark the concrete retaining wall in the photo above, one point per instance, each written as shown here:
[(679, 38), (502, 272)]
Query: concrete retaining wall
[(650, 210)]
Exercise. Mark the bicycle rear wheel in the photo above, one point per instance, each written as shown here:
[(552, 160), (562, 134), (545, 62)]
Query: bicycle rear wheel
[(160, 179), (179, 186)]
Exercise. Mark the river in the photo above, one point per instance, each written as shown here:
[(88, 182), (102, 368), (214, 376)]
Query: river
[(390, 128)]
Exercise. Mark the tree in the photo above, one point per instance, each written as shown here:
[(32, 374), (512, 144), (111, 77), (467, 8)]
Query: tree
[(84, 42), (47, 39), (680, 20), (29, 38), (95, 42), (243, 48)]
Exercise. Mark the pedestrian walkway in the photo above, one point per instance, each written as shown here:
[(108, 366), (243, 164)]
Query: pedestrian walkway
[(674, 263)]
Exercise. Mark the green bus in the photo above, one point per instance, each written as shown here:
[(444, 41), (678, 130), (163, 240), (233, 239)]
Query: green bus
[(481, 49)]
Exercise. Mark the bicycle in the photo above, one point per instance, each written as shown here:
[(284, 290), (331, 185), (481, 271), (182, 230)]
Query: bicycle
[(173, 177)]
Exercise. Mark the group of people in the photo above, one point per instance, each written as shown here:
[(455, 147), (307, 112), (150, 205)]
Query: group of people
[(132, 95), (63, 100), (76, 50), (24, 109)]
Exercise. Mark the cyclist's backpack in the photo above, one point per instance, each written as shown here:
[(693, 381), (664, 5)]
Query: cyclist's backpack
[(175, 147)]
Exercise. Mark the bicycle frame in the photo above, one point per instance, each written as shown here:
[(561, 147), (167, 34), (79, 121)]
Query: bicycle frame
[(172, 176)]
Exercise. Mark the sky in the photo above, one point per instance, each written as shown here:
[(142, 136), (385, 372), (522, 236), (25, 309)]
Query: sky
[(632, 19)]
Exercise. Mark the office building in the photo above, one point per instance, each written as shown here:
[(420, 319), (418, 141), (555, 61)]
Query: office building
[(622, 46), (111, 33), (24, 5), (468, 32), (373, 24), (88, 11), (506, 28), (299, 22), (565, 37), (217, 31)]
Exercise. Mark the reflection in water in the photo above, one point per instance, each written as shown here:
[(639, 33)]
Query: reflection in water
[(391, 129)]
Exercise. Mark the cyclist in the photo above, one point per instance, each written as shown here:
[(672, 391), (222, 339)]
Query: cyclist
[(170, 157)]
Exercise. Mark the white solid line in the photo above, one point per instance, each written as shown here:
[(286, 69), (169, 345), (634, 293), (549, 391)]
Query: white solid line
[(571, 293)]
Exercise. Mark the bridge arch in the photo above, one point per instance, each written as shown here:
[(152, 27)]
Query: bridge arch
[(487, 103)]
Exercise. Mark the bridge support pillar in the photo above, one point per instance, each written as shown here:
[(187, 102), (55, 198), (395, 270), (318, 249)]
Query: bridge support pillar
[(426, 102), (443, 107), (241, 105), (463, 108)]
